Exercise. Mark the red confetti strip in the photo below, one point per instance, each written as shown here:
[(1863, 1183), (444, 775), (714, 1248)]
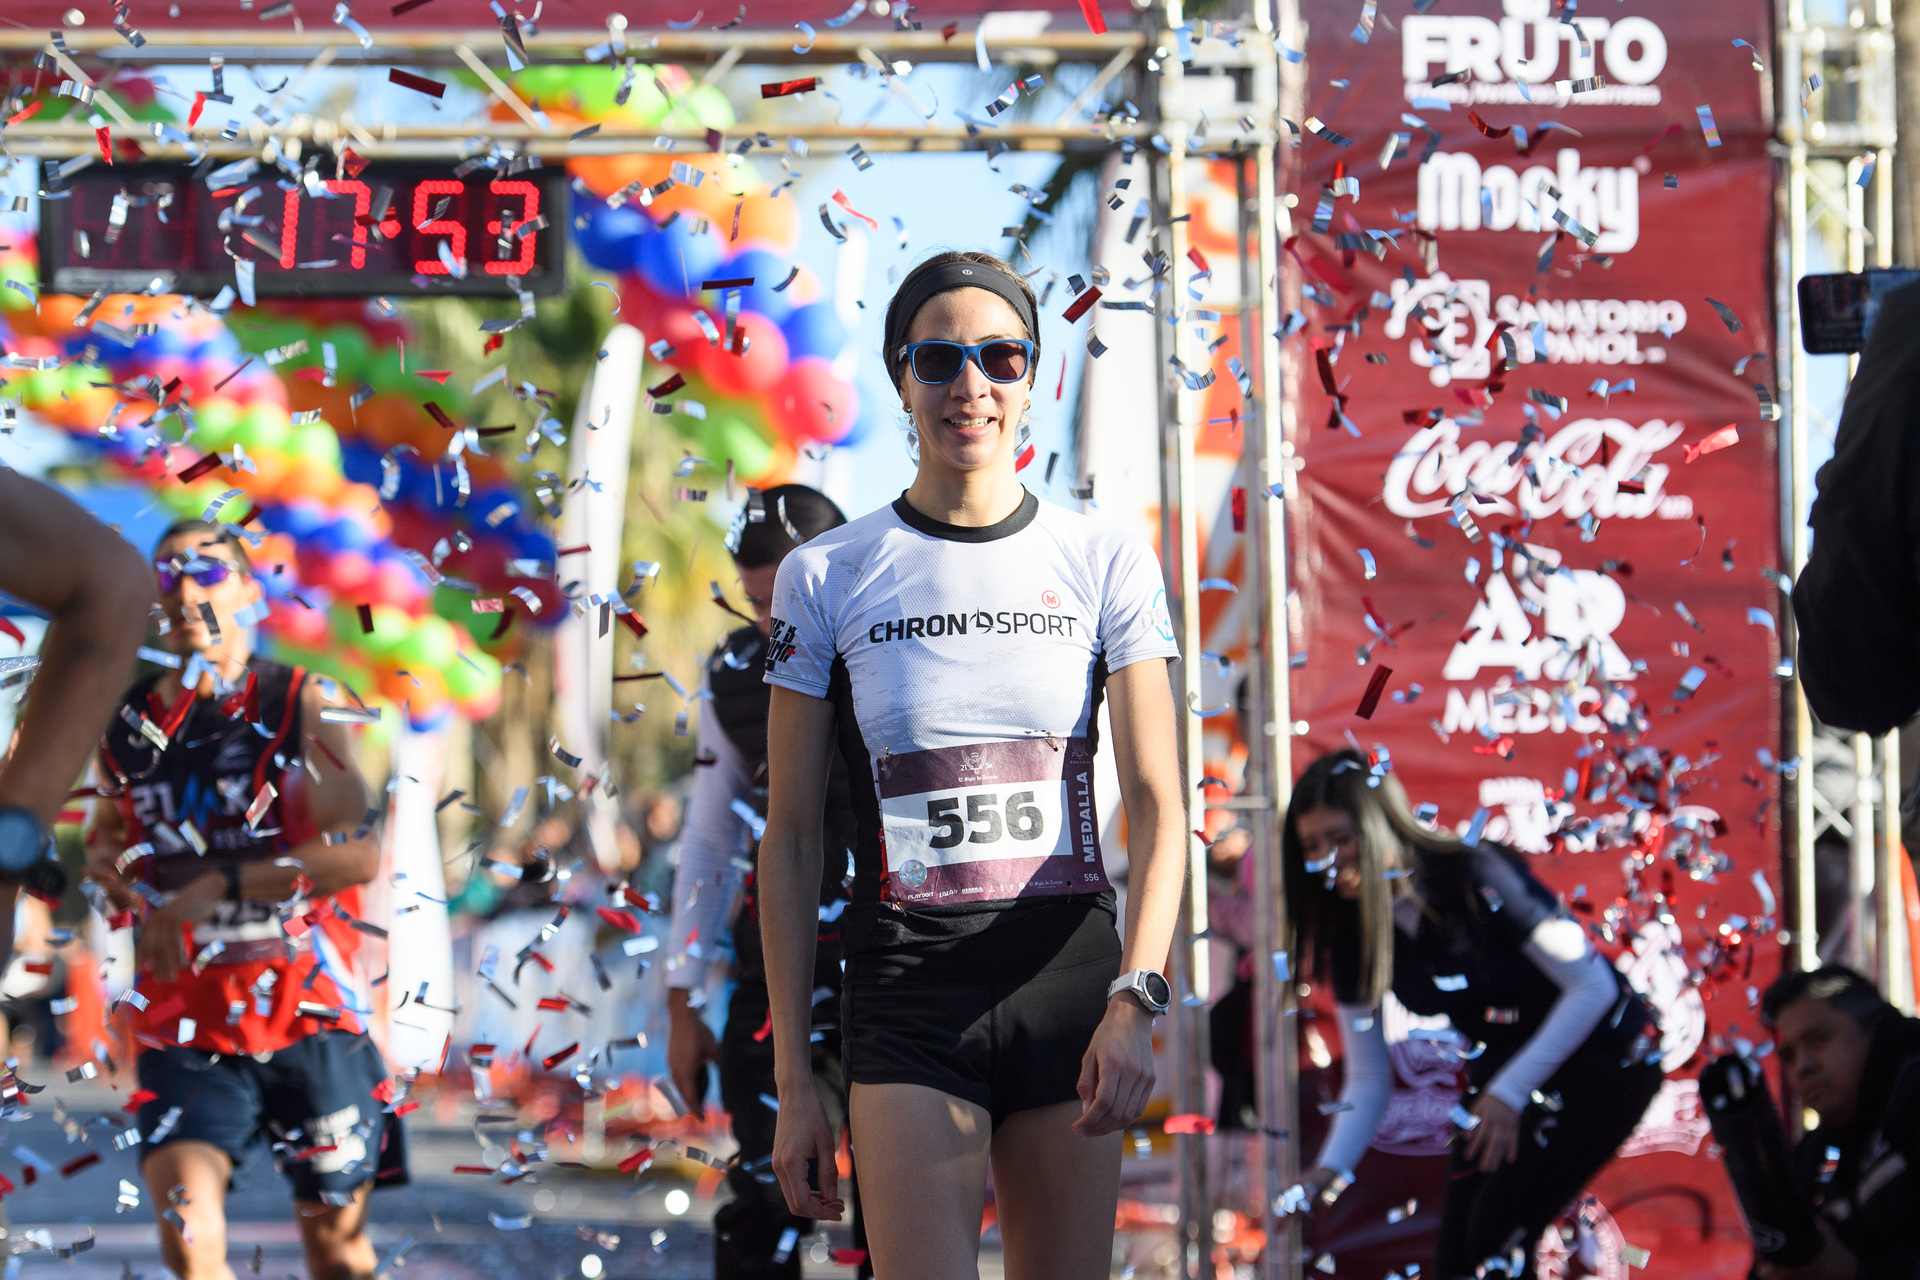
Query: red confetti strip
[(783, 88), (366, 617), (635, 624), (31, 109), (193, 116), (1375, 687), (733, 282), (419, 84), (78, 1163), (138, 1099), (638, 1161), (406, 1108), (200, 468), (668, 387), (1096, 21), (1725, 437), (553, 1060), (438, 375), (574, 551), (1082, 304), (1486, 128), (840, 198), (619, 919), (555, 1002), (7, 628), (1188, 1124), (439, 415)]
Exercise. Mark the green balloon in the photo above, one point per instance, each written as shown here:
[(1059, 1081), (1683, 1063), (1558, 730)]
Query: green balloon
[(430, 646), (349, 348), (215, 422), (264, 426), (464, 683), (314, 442), (731, 434)]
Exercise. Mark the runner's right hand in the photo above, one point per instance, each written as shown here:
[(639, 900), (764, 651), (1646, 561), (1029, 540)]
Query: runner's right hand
[(802, 1138), (690, 1047)]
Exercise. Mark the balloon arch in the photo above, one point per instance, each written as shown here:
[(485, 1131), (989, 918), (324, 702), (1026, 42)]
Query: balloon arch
[(355, 498)]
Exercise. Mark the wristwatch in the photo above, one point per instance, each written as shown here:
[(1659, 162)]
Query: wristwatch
[(1149, 988), (22, 843)]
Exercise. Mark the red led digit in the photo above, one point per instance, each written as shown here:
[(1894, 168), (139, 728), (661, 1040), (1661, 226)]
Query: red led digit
[(362, 202), (289, 223), (423, 199), (523, 264)]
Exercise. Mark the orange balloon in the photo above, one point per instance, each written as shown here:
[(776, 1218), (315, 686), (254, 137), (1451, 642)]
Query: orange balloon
[(271, 468), (364, 501), (315, 480), (385, 420), (426, 689), (773, 221), (605, 175)]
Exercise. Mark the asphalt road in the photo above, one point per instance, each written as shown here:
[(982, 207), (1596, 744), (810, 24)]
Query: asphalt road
[(447, 1215)]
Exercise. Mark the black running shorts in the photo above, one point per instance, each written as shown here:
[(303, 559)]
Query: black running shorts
[(1006, 1042), (315, 1098)]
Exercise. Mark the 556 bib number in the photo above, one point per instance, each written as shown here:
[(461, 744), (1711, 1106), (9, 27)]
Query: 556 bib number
[(982, 823), (990, 821)]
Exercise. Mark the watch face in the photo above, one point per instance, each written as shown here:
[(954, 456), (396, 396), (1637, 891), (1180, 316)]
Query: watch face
[(1158, 990)]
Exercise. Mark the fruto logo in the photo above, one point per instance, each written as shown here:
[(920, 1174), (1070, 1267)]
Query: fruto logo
[(1529, 56)]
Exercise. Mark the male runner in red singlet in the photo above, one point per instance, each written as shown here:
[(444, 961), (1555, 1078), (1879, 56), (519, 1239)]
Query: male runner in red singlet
[(237, 821)]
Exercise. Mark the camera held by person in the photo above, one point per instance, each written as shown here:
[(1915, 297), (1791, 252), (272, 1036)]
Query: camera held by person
[(1854, 1061)]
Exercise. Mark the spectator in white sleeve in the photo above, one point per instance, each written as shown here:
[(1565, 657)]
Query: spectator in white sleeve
[(1565, 1057), (716, 888)]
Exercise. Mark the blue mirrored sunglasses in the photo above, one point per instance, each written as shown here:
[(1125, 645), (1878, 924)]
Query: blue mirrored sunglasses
[(938, 362)]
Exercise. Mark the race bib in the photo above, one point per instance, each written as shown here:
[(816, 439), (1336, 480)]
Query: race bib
[(990, 821)]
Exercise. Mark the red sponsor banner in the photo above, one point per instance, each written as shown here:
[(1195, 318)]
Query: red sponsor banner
[(1512, 356)]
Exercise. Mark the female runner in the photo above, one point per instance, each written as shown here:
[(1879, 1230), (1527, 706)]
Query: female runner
[(1565, 1057), (959, 641)]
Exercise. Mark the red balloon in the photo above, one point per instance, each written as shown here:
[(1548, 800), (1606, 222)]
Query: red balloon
[(307, 628), (394, 583), (347, 573), (759, 367), (809, 403)]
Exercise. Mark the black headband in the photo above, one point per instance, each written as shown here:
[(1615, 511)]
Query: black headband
[(960, 274)]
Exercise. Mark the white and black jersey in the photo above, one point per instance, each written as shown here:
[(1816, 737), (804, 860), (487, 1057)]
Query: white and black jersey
[(967, 666)]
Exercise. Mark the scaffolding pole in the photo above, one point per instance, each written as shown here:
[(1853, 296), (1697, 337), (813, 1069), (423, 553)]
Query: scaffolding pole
[(1179, 543), (1269, 725)]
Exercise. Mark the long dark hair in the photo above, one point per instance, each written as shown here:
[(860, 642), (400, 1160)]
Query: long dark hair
[(1391, 839)]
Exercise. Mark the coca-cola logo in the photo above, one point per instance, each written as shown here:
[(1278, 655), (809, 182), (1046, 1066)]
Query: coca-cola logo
[(1580, 468)]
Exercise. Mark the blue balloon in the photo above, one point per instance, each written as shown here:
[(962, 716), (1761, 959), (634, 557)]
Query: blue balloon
[(432, 721), (675, 259), (765, 270), (865, 423), (350, 535), (814, 330), (610, 236)]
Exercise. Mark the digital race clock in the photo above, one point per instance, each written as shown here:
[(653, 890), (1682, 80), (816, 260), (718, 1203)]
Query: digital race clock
[(394, 228)]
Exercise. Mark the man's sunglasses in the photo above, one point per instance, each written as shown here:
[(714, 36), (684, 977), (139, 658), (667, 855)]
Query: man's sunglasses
[(937, 363), (206, 571)]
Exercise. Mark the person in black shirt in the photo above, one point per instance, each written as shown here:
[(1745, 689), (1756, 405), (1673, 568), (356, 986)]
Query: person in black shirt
[(728, 806), (1565, 1056), (1856, 607), (1855, 1060)]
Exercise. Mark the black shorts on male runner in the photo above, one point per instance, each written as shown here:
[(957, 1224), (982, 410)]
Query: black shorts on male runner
[(1001, 1019), (316, 1097)]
